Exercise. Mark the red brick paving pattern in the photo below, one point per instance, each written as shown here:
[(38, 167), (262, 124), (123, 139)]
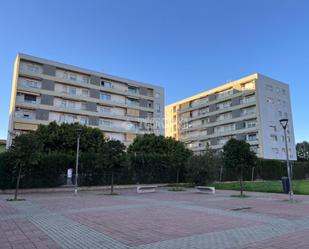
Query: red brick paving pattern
[(147, 225), (78, 202), (299, 240), (20, 233), (6, 209)]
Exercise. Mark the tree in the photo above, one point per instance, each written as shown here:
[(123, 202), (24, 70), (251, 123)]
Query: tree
[(157, 158), (113, 157), (178, 156), (238, 156), (302, 150), (62, 138), (204, 168), (26, 149)]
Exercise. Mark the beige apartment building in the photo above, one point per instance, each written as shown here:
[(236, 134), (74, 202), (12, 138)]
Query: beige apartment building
[(44, 91), (248, 109)]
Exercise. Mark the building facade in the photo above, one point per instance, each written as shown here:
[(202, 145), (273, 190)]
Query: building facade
[(44, 91), (247, 109)]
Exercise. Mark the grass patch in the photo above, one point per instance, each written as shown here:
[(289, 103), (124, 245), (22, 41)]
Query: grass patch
[(114, 193), (11, 199), (240, 196), (183, 185), (299, 186), (176, 189)]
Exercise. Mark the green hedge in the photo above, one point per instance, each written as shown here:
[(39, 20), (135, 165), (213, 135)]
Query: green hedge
[(269, 170), (275, 169)]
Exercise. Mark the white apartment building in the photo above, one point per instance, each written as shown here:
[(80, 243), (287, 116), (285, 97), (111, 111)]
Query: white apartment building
[(44, 91), (248, 109)]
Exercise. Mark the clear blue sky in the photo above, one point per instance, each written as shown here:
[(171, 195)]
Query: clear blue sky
[(185, 46)]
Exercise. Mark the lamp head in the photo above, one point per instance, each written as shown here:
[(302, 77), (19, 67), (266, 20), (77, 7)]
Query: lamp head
[(284, 122), (79, 131)]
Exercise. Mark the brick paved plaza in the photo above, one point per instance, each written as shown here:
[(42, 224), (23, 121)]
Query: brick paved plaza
[(165, 220)]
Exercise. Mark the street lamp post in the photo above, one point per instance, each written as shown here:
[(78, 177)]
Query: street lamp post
[(284, 123), (79, 132)]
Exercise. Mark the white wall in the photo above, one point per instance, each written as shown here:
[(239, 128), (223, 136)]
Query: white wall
[(269, 117)]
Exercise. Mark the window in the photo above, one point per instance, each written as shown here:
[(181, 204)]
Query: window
[(225, 93), (158, 107), (105, 97), (278, 101), (70, 118), (63, 103), (273, 127), (72, 76), (72, 90), (286, 115), (270, 100), (283, 92), (275, 150), (30, 98), (251, 137), (203, 111), (30, 83), (205, 121), (85, 92), (132, 90), (174, 109), (24, 114), (106, 123), (269, 88), (277, 90), (84, 79), (104, 109), (106, 84), (250, 124), (157, 95), (223, 105), (71, 104), (83, 106), (249, 111), (247, 99), (274, 137), (132, 102), (34, 68), (83, 121), (224, 116)]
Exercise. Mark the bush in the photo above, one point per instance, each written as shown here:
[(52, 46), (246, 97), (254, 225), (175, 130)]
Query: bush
[(275, 169), (7, 177), (203, 168), (49, 172)]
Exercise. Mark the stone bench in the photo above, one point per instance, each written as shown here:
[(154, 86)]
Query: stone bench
[(204, 189), (146, 189)]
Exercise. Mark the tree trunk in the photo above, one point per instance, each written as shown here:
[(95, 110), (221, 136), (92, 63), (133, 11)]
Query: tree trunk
[(17, 183), (241, 186), (177, 179), (112, 182)]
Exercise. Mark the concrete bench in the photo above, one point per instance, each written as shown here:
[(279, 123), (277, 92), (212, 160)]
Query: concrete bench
[(204, 189), (146, 189)]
